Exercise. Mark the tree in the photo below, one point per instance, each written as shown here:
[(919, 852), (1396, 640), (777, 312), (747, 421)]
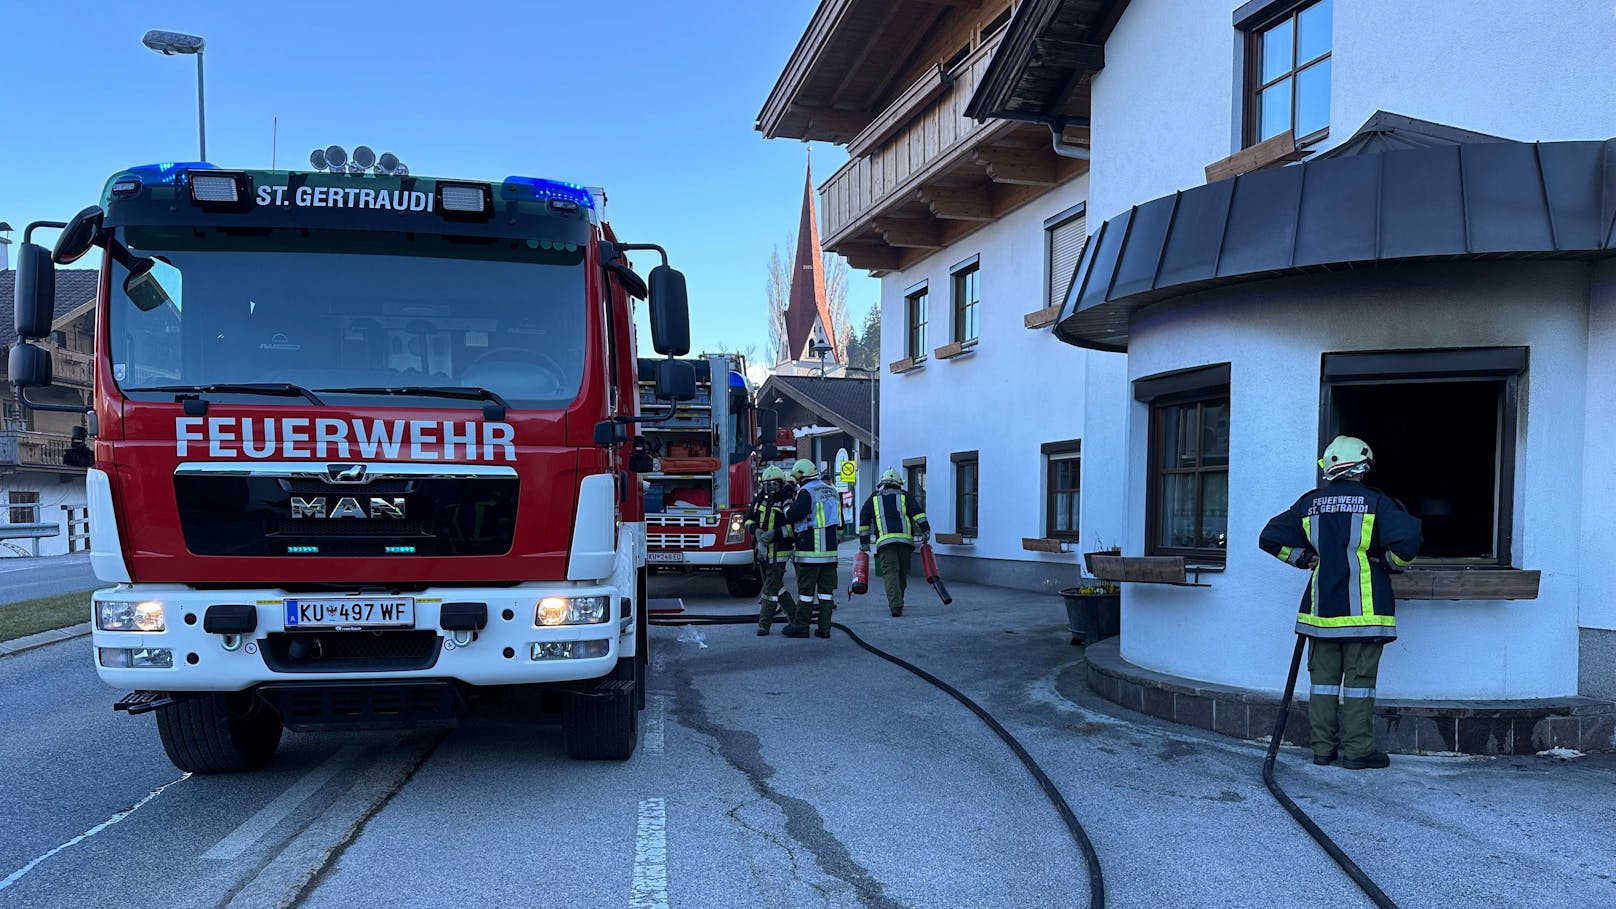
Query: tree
[(864, 349)]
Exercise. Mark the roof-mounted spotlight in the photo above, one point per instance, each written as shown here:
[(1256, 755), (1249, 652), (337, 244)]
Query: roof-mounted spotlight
[(335, 157), (317, 159), (388, 162), (364, 157), (402, 170)]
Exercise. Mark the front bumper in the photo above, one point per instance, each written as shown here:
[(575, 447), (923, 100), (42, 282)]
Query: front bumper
[(691, 558), (501, 654)]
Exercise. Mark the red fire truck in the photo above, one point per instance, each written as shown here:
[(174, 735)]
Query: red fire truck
[(364, 444), (706, 474)]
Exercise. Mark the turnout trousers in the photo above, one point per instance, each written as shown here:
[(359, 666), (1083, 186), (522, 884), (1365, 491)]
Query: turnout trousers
[(895, 559), (1341, 706), (816, 592), (774, 591)]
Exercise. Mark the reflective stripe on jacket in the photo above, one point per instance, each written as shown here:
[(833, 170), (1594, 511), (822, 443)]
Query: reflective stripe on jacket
[(814, 515), (895, 516), (1354, 532), (771, 515)]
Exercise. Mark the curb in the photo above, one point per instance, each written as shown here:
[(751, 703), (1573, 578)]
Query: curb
[(43, 638)]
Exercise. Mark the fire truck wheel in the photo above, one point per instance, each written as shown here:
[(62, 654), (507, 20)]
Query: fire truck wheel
[(219, 733), (600, 725), (743, 583)]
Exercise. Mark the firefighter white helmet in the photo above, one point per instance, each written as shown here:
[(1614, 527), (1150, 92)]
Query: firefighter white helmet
[(804, 469), (891, 477), (1346, 457)]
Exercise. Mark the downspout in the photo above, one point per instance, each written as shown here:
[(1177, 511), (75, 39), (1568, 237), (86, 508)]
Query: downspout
[(1057, 141)]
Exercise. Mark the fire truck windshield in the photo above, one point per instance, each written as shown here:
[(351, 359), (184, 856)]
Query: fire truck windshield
[(337, 309)]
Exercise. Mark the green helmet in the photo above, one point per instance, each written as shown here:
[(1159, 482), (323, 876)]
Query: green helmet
[(891, 477), (804, 469), (774, 473), (1346, 457)]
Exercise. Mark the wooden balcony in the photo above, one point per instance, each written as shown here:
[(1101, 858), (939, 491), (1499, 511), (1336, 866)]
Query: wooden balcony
[(924, 175), (34, 450), (71, 367)]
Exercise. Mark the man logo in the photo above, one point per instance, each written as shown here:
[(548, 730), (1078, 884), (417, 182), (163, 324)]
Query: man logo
[(348, 507), (346, 473)]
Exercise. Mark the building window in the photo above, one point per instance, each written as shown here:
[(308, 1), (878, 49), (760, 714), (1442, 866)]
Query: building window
[(1188, 470), (914, 314), (914, 479), (1064, 236), (1063, 474), (997, 22), (966, 477), (1288, 74), (967, 293), (1442, 424), (957, 58), (24, 507)]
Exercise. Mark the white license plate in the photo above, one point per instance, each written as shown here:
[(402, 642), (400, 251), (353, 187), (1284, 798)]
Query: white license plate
[(665, 558), (350, 613)]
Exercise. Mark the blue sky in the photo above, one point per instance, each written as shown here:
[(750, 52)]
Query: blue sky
[(653, 100)]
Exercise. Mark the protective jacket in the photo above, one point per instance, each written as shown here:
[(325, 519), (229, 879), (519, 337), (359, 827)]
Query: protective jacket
[(767, 521), (1350, 535), (894, 516), (815, 514)]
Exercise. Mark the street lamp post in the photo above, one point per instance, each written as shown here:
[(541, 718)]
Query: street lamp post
[(170, 43)]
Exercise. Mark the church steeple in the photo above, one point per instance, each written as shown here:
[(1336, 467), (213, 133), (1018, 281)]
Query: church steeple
[(808, 320)]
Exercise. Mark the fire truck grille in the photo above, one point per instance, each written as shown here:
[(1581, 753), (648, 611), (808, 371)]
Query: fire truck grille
[(372, 527), (678, 540), (310, 705), (683, 520), (350, 651)]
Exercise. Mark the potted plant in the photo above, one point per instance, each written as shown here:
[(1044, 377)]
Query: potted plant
[(1094, 607)]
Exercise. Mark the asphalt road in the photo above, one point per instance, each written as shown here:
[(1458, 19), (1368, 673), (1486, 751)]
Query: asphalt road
[(25, 579), (775, 773)]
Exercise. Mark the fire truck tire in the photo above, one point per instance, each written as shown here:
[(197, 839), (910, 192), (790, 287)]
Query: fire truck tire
[(743, 583), (600, 725), (219, 733)]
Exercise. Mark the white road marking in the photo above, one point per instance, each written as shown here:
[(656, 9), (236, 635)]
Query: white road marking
[(254, 828), (655, 714), (650, 888), (17, 875)]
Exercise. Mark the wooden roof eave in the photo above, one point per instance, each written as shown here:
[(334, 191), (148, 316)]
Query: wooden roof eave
[(1038, 47)]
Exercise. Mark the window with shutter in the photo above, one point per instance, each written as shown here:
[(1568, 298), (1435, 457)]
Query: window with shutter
[(1065, 240)]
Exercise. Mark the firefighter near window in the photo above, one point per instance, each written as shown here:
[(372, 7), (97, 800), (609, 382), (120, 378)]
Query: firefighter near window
[(897, 522), (815, 514), (772, 532), (1350, 537)]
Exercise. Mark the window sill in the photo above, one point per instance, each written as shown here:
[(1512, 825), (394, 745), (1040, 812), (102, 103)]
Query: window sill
[(956, 349), (1109, 566), (907, 364), (1466, 584), (1280, 149), (1048, 544), (1043, 318), (955, 539)]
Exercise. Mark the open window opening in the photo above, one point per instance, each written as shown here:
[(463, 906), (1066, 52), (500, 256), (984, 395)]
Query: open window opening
[(1442, 425)]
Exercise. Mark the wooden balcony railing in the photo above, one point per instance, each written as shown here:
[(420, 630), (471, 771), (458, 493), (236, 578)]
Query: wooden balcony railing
[(71, 367), (899, 150)]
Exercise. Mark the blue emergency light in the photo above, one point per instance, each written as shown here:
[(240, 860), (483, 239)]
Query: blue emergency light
[(549, 190), (165, 173)]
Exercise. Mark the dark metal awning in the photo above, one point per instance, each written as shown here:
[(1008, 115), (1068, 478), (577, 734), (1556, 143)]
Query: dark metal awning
[(1473, 201)]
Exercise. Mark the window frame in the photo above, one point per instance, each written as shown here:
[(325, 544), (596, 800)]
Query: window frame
[(1055, 454), (959, 459), (914, 468), (1200, 386), (1253, 26), (1507, 365), (960, 277), (1051, 225), (917, 334), (37, 506)]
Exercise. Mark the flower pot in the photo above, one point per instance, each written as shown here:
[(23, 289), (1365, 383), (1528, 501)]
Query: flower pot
[(1092, 616)]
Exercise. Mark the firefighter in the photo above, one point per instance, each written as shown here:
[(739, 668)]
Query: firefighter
[(899, 522), (769, 527), (1349, 536), (814, 514)]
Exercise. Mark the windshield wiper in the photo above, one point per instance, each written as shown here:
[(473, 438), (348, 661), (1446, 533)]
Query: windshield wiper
[(494, 410), (283, 389)]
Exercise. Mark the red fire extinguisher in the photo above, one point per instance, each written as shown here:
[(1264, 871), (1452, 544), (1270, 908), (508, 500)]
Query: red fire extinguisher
[(928, 564), (861, 573)]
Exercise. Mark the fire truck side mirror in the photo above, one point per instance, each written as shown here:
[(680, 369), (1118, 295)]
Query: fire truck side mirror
[(675, 380), (670, 314), (36, 292), (769, 451), (81, 233), (768, 426), (28, 366)]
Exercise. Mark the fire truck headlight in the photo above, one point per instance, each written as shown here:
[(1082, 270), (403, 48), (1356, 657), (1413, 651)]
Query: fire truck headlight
[(572, 611), (136, 657), (737, 529), (123, 615)]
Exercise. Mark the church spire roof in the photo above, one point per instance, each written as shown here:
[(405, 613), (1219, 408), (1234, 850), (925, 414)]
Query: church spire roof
[(808, 319)]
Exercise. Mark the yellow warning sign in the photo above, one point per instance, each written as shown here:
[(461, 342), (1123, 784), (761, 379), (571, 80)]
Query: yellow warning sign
[(849, 472)]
